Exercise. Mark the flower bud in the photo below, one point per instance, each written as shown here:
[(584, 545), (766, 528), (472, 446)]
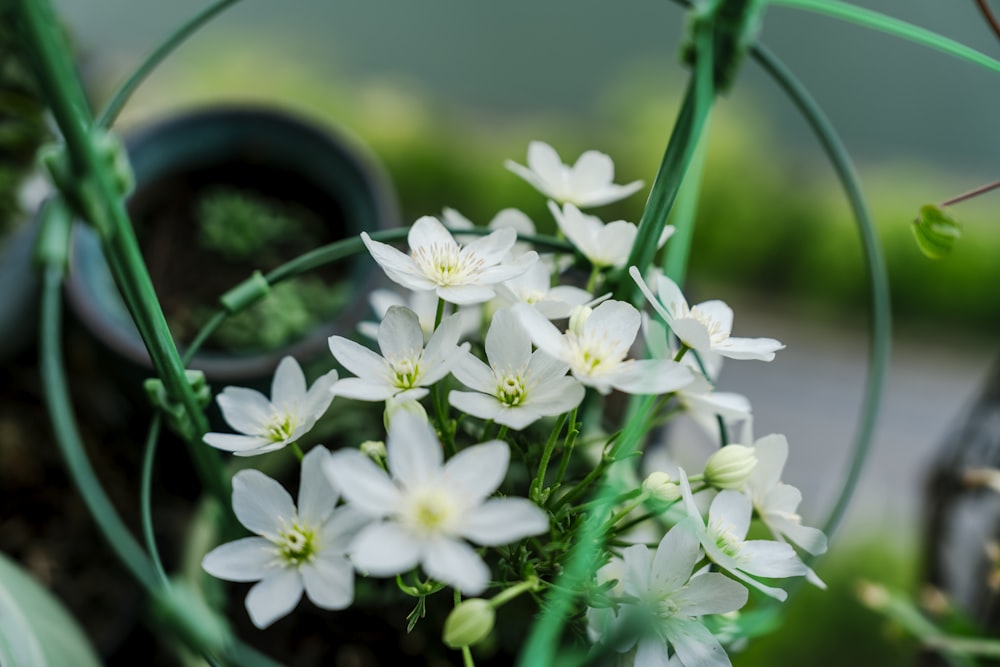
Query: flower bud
[(730, 467), (469, 623), (394, 406), (374, 449), (659, 486)]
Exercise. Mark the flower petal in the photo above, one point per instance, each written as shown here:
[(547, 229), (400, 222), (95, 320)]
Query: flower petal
[(358, 359), (733, 510), (761, 349), (235, 443), (457, 564), (695, 645), (329, 582), (474, 374), (543, 333), (244, 409), (504, 520), (385, 549), (477, 471), (363, 484), (248, 559), (260, 503), (413, 450), (476, 404), (288, 388), (317, 495), (674, 560), (399, 335), (399, 267), (710, 593), (650, 376), (508, 346), (274, 597)]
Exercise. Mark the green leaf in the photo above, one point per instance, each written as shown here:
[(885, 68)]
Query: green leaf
[(35, 629), (936, 231)]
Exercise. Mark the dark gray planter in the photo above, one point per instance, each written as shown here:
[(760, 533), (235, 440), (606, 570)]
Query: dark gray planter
[(253, 149)]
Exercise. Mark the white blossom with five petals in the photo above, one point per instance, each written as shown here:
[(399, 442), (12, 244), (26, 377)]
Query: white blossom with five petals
[(725, 543), (424, 509), (603, 244), (777, 503), (596, 347), (589, 182), (295, 550), (704, 327), (406, 368), (267, 425), (518, 387), (665, 603), (459, 274)]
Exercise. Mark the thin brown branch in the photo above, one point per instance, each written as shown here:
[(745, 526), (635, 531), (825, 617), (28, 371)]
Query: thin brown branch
[(990, 17)]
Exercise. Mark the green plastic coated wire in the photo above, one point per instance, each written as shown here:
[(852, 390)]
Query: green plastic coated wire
[(110, 112), (541, 647), (878, 279), (892, 26)]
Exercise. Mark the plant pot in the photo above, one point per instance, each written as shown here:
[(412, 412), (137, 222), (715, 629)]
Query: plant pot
[(268, 153), (21, 286)]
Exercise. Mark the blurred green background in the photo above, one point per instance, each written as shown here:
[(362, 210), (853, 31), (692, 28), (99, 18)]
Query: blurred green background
[(444, 93)]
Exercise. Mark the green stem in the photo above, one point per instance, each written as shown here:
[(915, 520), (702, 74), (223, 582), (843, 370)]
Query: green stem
[(878, 280), (107, 117), (892, 26), (572, 432), (684, 139), (294, 446), (595, 273), (95, 186), (467, 660), (685, 215), (509, 594), (145, 497), (535, 492), (71, 445)]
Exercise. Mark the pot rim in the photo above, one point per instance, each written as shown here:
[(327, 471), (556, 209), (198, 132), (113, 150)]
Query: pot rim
[(98, 305)]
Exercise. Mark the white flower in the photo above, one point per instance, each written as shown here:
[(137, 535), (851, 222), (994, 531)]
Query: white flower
[(458, 274), (668, 602), (268, 425), (424, 304), (518, 387), (602, 244), (533, 287), (725, 543), (295, 550), (427, 509), (589, 182), (778, 503), (595, 348), (508, 218), (706, 326), (406, 368)]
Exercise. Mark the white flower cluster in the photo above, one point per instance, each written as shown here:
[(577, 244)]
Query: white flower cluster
[(504, 348)]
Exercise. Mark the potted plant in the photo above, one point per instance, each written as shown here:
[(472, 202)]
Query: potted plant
[(222, 192)]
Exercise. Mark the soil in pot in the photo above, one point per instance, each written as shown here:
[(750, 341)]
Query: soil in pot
[(203, 231)]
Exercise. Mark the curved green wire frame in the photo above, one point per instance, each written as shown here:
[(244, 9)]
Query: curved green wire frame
[(881, 316)]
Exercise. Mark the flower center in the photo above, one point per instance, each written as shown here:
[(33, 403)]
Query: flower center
[(430, 511), (726, 540), (405, 372), (511, 391), (280, 428), (297, 544), (593, 355), (444, 264), (715, 332), (666, 608)]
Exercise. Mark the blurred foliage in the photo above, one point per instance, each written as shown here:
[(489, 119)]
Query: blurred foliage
[(240, 226), (290, 311), (832, 628), (769, 221), (22, 128)]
